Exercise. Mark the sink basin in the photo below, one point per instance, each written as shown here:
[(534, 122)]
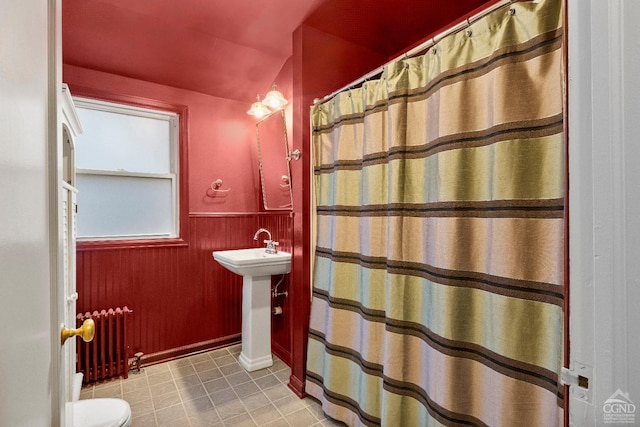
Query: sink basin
[(254, 262)]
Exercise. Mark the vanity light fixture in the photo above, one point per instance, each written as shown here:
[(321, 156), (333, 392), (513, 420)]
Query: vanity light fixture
[(258, 109), (274, 98)]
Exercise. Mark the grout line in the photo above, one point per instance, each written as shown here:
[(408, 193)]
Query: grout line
[(192, 361)]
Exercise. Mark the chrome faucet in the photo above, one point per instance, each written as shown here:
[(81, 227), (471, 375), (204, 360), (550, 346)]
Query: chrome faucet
[(271, 245)]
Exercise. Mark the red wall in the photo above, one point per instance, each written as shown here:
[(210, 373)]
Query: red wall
[(221, 138), (182, 300)]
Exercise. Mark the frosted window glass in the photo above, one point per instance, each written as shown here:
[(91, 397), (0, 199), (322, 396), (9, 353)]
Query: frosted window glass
[(122, 142), (114, 206)]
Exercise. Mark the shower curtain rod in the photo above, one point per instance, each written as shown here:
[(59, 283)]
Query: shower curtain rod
[(423, 46)]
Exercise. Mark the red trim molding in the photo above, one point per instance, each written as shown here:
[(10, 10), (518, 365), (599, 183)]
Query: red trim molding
[(238, 214), (97, 245), (297, 386), (189, 350)]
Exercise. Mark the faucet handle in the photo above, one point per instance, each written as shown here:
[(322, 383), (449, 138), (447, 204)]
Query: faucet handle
[(271, 247)]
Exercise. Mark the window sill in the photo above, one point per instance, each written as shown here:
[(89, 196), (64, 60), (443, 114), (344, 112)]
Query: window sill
[(94, 245)]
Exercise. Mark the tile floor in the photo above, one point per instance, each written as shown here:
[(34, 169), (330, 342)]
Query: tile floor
[(212, 389)]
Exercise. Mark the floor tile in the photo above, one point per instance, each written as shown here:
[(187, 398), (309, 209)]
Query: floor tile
[(162, 388), (183, 371), (267, 381), (255, 401), (141, 407), (278, 365), (231, 368), (160, 378), (205, 366), (192, 393), (301, 418), (211, 389), (223, 396), (172, 416), (188, 381), (238, 378), (137, 395), (157, 369), (224, 360), (135, 384), (230, 409), (179, 362), (166, 400), (265, 414), (243, 420), (146, 420), (200, 358), (278, 392), (280, 422), (216, 385), (316, 409), (246, 389), (283, 375), (197, 406), (107, 390), (289, 404), (211, 374), (199, 422)]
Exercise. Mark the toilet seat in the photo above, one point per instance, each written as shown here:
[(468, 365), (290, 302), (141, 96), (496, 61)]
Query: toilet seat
[(101, 413)]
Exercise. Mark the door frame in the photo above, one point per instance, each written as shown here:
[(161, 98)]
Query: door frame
[(604, 104), (59, 385)]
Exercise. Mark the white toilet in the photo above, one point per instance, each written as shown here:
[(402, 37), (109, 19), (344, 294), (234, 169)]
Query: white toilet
[(100, 412)]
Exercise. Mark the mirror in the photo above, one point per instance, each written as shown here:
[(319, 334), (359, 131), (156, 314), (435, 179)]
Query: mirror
[(273, 157)]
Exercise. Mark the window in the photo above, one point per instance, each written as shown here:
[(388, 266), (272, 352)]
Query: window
[(127, 172)]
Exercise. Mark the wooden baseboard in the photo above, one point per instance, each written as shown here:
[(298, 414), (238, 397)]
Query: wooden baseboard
[(188, 350), (297, 386)]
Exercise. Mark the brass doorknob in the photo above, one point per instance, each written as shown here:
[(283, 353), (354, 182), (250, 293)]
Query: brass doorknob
[(86, 331)]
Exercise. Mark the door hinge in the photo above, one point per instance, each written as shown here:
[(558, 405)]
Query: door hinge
[(578, 378)]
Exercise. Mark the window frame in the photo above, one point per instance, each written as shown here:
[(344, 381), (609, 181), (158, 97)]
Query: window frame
[(83, 97)]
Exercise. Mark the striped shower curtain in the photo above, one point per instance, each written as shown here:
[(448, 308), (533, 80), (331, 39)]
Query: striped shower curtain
[(438, 273)]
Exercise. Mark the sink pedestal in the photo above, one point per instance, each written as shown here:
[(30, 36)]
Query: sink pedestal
[(256, 323), (256, 266)]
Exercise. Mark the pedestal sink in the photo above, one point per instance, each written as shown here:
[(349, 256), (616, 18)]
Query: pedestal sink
[(256, 268)]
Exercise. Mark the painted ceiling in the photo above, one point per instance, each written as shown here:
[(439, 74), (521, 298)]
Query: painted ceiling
[(234, 48)]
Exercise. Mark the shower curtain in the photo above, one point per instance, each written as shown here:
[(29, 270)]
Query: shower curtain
[(438, 272)]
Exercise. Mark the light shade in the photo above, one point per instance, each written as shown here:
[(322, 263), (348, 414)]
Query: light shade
[(274, 99), (258, 109)]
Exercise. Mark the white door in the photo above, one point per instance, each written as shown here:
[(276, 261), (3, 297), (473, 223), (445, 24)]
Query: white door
[(30, 336)]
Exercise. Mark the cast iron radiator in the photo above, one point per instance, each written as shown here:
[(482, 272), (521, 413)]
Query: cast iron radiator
[(107, 355)]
